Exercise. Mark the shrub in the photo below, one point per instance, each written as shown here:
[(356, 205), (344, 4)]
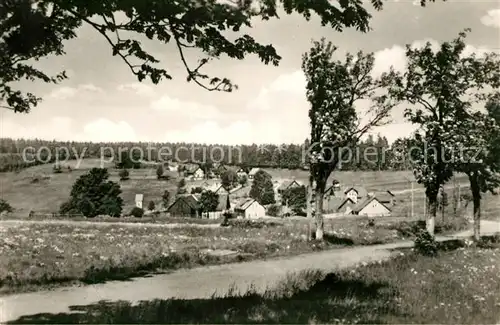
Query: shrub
[(137, 212), (159, 172), (124, 174), (371, 222), (425, 244), (225, 218), (151, 205), (274, 210), (5, 206)]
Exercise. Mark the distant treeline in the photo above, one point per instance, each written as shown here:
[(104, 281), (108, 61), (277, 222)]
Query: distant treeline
[(381, 155)]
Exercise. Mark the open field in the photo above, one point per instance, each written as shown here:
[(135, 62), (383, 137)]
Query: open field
[(458, 287), (41, 254), (371, 180)]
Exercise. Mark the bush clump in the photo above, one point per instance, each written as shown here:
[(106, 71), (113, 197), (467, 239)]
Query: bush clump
[(137, 212), (425, 244)]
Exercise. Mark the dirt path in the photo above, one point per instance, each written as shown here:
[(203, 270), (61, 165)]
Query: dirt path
[(198, 282)]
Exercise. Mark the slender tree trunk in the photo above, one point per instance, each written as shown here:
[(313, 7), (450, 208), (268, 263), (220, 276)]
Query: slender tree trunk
[(319, 212), (431, 216), (476, 200), (309, 208)]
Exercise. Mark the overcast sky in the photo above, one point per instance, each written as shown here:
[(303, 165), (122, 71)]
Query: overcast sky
[(102, 101)]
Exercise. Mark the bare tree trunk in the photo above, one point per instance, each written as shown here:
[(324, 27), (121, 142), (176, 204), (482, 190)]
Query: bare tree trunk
[(476, 200), (319, 212), (309, 210), (431, 216)]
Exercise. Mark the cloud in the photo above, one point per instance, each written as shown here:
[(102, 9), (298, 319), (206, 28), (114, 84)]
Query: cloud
[(61, 128), (492, 18), (138, 88), (384, 59), (178, 107), (210, 132), (63, 93), (104, 130), (290, 84), (395, 56), (70, 92), (56, 128)]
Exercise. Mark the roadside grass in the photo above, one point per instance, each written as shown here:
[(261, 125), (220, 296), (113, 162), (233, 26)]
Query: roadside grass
[(43, 254), (458, 286)]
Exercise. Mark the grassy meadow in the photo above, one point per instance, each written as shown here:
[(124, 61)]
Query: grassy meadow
[(44, 254), (460, 286)]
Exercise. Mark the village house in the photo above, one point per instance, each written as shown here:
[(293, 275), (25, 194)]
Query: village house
[(371, 207), (356, 194), (287, 184), (241, 173), (252, 172), (139, 200), (223, 206), (194, 172), (185, 206), (249, 209), (221, 190), (338, 205), (385, 197)]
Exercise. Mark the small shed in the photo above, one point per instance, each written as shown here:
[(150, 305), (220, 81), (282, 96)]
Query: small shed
[(139, 198)]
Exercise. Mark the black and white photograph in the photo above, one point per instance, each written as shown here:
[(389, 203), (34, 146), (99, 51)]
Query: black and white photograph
[(250, 162)]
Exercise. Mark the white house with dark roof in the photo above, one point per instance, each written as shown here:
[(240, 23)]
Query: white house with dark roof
[(356, 193), (371, 207), (250, 209)]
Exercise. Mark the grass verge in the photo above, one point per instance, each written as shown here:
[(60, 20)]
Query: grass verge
[(457, 287)]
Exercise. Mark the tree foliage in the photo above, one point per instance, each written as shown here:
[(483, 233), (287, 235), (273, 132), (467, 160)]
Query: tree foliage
[(229, 179), (35, 29), (159, 171), (262, 188), (124, 174), (209, 201), (295, 198), (333, 88), (5, 206), (93, 194), (165, 198), (443, 86)]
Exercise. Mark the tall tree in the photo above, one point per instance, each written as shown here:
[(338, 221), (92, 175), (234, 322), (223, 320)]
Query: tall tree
[(333, 88), (262, 188), (229, 179), (480, 161), (442, 86), (35, 29), (93, 194)]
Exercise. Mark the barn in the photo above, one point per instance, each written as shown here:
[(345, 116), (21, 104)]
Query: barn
[(185, 206)]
